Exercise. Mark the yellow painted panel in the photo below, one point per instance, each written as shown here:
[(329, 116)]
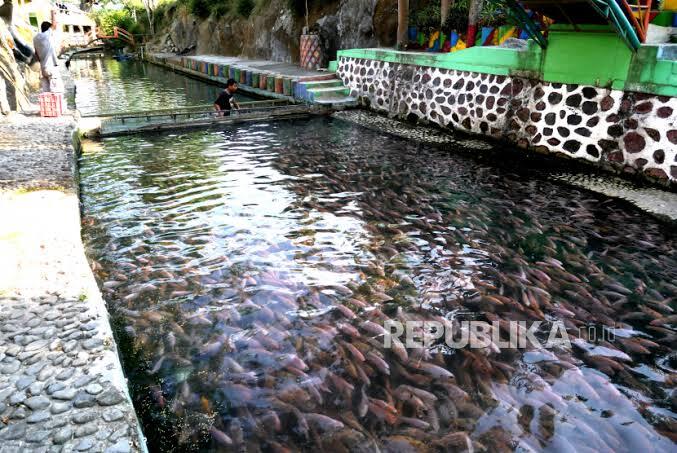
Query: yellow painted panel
[(669, 5)]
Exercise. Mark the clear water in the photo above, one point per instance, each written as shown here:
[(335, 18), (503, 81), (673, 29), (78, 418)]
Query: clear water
[(241, 265), (104, 85)]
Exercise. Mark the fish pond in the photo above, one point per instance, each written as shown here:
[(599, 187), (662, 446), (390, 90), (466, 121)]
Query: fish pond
[(104, 85), (253, 274)]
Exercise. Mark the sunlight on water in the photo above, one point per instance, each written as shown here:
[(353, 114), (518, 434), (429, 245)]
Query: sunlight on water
[(104, 85), (248, 270)]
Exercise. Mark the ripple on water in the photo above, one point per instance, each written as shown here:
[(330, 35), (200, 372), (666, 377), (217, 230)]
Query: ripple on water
[(248, 271)]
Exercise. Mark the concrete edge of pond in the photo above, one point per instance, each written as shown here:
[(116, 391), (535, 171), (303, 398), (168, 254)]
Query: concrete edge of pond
[(94, 295), (661, 204)]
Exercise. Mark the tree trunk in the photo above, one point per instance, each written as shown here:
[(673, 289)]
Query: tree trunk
[(473, 18), (402, 23), (444, 12), (150, 6)]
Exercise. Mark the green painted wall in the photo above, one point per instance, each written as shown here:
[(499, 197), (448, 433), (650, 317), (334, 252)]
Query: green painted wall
[(648, 74), (593, 56), (489, 60)]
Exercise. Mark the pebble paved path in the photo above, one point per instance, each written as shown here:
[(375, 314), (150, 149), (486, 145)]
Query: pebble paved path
[(61, 382)]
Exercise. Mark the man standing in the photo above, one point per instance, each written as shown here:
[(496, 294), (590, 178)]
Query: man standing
[(226, 101), (46, 48)]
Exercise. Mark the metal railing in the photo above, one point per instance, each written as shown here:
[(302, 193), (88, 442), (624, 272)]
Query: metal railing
[(193, 117), (184, 110)]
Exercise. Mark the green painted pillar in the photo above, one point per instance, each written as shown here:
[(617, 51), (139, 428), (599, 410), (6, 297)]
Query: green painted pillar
[(286, 86), (270, 82), (255, 79)]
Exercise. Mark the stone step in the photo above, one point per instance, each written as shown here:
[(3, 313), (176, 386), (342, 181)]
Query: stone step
[(324, 93), (338, 101), (323, 84)]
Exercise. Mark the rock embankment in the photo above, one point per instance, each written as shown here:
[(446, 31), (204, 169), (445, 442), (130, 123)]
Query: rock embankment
[(273, 31), (15, 78)]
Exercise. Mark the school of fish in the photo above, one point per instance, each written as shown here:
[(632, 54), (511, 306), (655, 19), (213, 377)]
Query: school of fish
[(250, 272)]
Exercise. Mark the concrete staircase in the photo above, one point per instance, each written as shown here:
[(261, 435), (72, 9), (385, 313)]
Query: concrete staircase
[(330, 91)]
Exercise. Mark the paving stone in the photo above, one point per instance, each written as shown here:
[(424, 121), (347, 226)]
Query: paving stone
[(19, 413), (35, 359), (37, 402), (38, 417), (84, 417), (17, 398), (35, 369), (58, 422), (85, 444), (13, 350), (110, 397), (35, 388), (24, 382), (55, 387), (94, 389), (65, 374), (103, 433), (34, 436), (36, 345), (13, 431), (92, 343), (63, 435), (66, 394), (25, 355), (85, 430), (10, 368), (59, 408), (83, 399), (112, 414), (121, 446), (120, 433), (83, 380)]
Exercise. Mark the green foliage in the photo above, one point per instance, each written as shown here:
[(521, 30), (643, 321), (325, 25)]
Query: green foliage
[(244, 7), (109, 19), (426, 15), (205, 8), (298, 7), (200, 8), (221, 8)]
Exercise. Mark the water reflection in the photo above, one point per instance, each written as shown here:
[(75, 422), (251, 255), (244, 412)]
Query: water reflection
[(104, 85), (250, 271)]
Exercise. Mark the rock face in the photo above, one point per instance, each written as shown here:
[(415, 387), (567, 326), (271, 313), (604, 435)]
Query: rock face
[(273, 32), (15, 78)]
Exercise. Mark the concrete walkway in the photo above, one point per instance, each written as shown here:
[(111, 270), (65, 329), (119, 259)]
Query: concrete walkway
[(61, 382), (262, 77)]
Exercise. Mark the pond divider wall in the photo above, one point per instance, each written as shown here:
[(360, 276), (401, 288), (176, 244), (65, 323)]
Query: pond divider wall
[(261, 78), (619, 115)]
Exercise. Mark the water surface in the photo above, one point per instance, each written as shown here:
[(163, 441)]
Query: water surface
[(248, 270), (104, 85)]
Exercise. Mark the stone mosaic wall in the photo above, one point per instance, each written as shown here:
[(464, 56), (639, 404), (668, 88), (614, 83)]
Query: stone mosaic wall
[(624, 132)]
